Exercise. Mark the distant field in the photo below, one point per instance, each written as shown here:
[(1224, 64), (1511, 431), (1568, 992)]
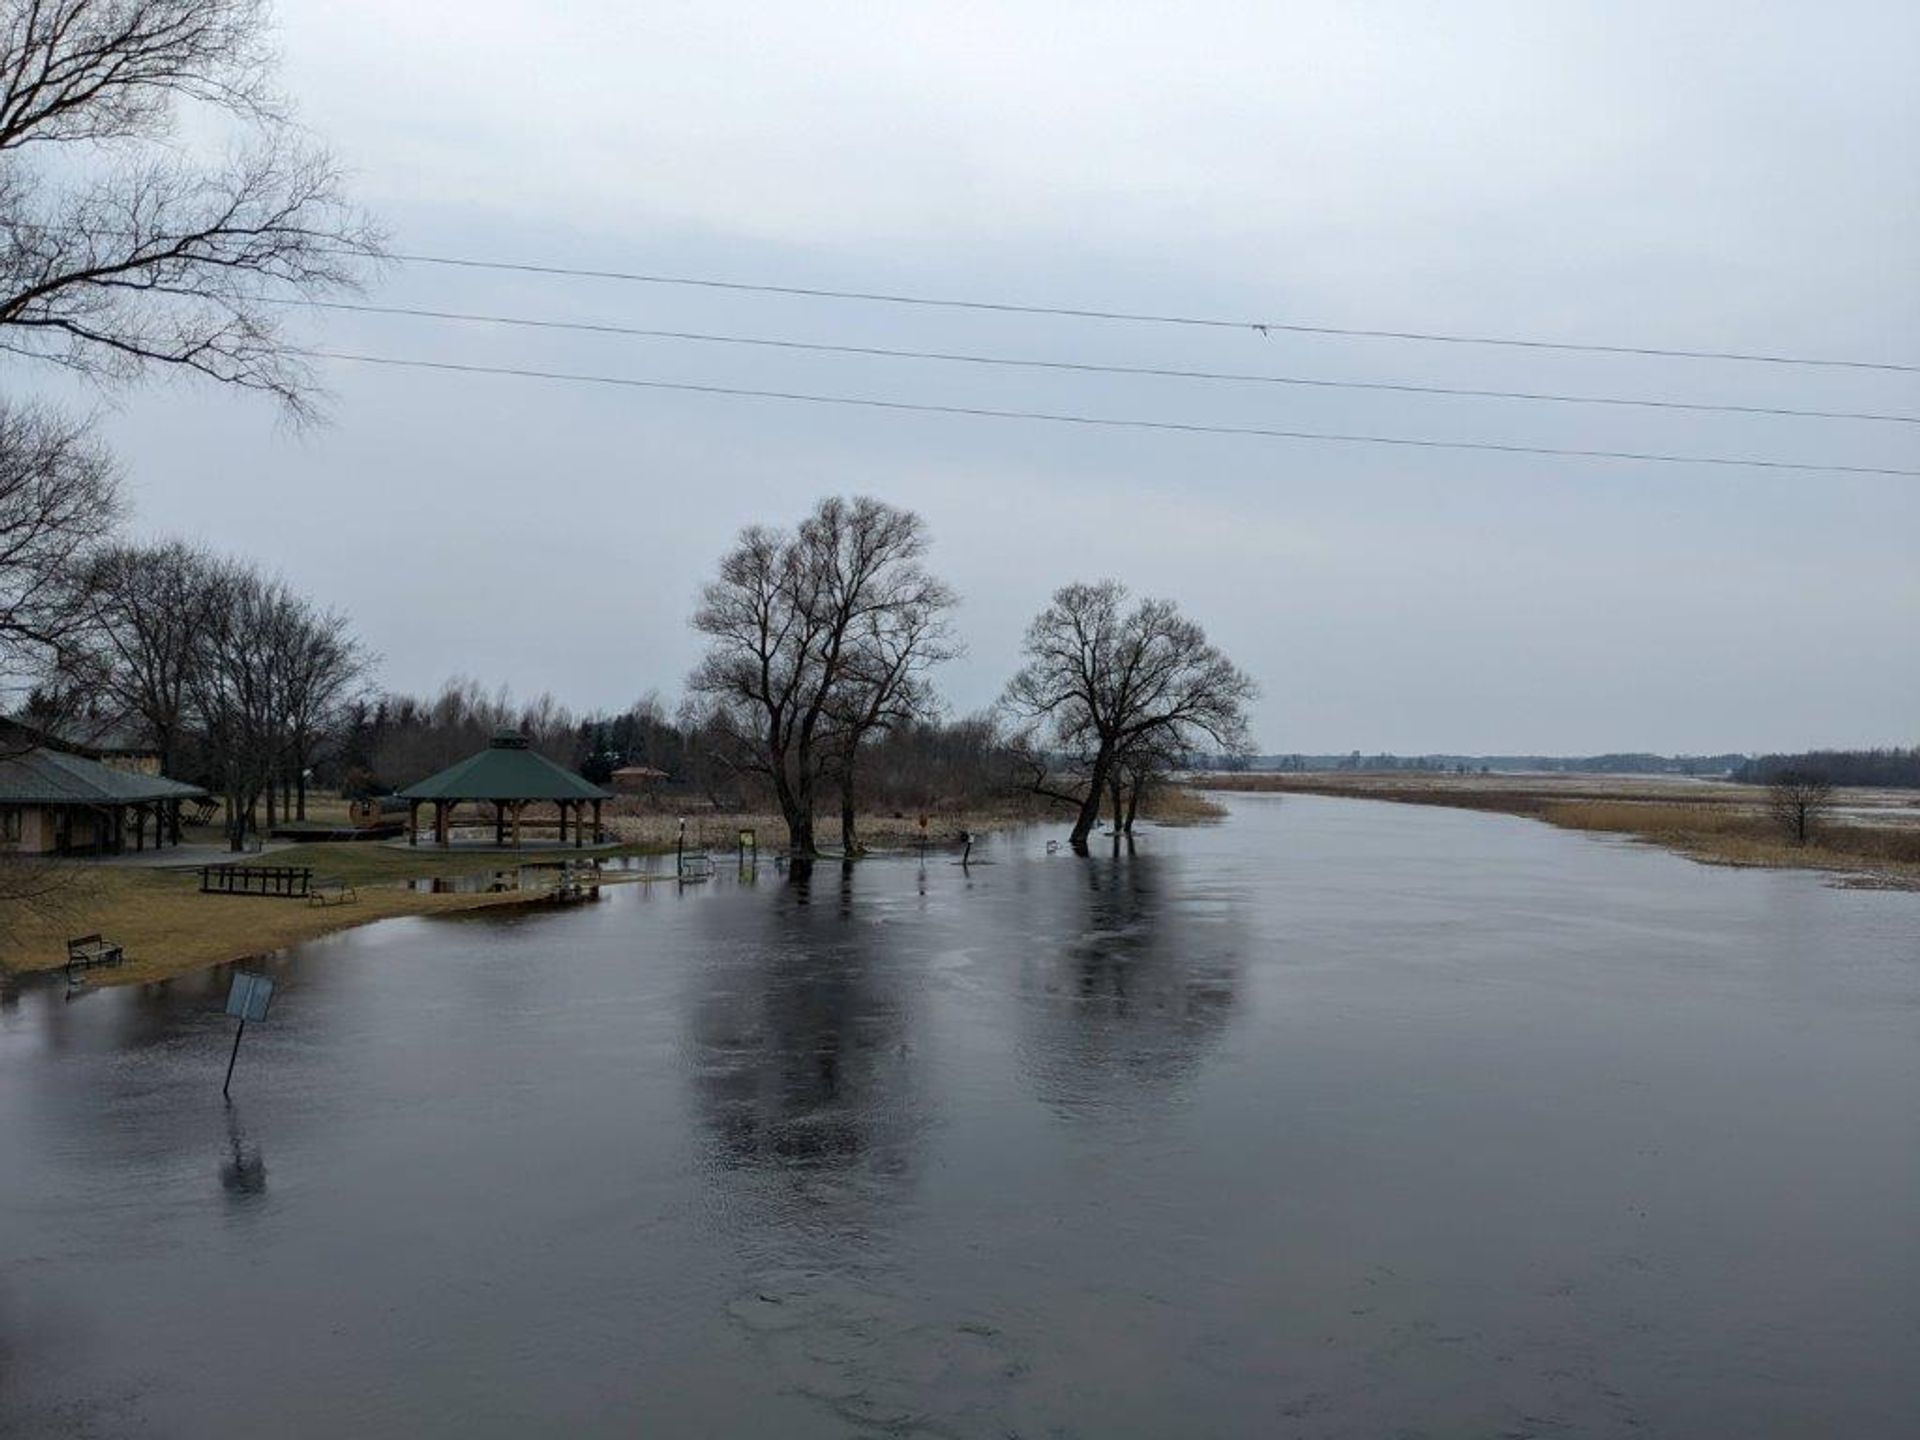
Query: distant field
[(1872, 836)]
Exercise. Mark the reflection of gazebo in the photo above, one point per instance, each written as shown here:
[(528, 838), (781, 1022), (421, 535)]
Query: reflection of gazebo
[(509, 777)]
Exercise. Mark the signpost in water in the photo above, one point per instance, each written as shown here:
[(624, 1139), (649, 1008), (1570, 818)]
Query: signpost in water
[(247, 998)]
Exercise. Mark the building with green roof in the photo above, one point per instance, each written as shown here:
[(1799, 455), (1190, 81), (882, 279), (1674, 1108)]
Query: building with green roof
[(509, 776), (56, 803)]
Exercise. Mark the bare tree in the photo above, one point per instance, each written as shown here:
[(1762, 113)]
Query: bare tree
[(147, 607), (903, 633), (1798, 800), (1140, 768), (119, 251), (323, 664), (236, 683), (816, 639), (1103, 684), (58, 497)]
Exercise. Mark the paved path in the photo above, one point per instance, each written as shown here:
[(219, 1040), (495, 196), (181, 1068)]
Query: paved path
[(188, 857)]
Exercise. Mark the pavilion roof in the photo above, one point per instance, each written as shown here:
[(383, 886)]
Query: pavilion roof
[(505, 770), (43, 776)]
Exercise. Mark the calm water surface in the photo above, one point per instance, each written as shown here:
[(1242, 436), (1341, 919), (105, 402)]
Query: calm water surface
[(1340, 1119)]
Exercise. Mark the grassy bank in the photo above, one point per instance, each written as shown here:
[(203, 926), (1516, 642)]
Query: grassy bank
[(168, 927), (1873, 839)]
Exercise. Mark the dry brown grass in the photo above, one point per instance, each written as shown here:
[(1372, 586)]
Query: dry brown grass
[(167, 926), (1734, 834), (1714, 823)]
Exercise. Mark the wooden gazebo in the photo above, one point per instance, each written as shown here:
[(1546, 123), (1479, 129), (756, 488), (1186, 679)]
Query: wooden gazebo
[(508, 776)]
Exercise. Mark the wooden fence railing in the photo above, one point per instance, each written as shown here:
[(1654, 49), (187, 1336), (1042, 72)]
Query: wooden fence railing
[(292, 882)]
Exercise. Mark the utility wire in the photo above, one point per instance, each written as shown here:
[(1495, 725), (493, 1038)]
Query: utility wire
[(1090, 368), (1263, 327), (1116, 422)]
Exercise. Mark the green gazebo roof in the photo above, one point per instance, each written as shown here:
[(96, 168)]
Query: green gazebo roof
[(506, 770)]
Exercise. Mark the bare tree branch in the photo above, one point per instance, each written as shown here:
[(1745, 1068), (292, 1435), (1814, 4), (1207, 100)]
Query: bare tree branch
[(119, 256)]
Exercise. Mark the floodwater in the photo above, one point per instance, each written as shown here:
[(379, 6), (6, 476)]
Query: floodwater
[(1338, 1119)]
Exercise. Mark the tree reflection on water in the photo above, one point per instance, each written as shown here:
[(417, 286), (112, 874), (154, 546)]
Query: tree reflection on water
[(803, 1061), (1142, 983)]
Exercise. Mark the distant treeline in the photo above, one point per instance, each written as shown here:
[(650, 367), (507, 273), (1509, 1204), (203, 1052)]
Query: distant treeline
[(391, 741), (1621, 764), (1897, 768)]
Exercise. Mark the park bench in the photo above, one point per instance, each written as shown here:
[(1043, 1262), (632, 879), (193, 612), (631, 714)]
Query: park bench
[(331, 890), (200, 812), (86, 951)]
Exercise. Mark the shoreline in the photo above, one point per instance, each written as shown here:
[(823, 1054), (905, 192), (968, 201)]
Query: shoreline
[(168, 928), (1873, 844)]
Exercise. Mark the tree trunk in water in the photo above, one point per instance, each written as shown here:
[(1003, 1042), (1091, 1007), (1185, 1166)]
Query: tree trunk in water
[(1133, 802), (1090, 807), (849, 843), (796, 808)]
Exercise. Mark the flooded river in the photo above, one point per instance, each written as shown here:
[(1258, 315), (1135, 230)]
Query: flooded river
[(1338, 1119)]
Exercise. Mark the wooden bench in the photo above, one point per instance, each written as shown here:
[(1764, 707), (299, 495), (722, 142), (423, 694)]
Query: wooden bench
[(330, 890), (86, 951)]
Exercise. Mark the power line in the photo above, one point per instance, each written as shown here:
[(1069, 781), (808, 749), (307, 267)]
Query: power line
[(1262, 327), (1116, 422), (1091, 368)]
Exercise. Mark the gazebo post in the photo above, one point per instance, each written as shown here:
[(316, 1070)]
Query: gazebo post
[(509, 776)]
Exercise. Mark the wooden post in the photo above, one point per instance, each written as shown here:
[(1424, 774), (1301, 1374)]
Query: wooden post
[(413, 822), (579, 835), (518, 806), (499, 823), (596, 822), (442, 832)]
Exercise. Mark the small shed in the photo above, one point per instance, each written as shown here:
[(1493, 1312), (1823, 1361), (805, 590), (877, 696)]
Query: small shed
[(637, 779), (509, 776)]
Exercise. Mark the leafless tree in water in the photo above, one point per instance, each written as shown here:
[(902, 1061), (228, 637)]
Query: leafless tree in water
[(1108, 686), (816, 639)]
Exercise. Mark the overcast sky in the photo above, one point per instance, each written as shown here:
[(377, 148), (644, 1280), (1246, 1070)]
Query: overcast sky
[(1700, 176)]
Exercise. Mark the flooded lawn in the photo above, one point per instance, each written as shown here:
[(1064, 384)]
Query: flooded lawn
[(1340, 1119)]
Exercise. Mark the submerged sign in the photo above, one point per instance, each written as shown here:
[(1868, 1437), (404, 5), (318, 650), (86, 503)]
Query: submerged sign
[(248, 996)]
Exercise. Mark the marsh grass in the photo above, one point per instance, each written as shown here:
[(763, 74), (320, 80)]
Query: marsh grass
[(1735, 834)]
